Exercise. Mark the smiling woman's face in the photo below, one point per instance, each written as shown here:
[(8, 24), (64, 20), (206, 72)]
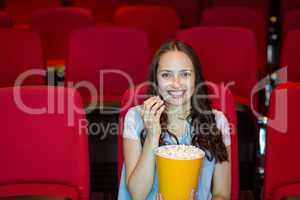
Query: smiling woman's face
[(176, 78)]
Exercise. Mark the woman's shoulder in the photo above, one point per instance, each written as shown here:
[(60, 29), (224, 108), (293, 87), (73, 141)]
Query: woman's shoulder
[(133, 124), (219, 115), (223, 125), (135, 109), (133, 113)]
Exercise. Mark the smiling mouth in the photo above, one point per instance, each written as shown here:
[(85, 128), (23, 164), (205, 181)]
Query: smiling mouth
[(176, 93)]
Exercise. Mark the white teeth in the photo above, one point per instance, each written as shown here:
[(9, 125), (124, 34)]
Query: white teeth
[(177, 93)]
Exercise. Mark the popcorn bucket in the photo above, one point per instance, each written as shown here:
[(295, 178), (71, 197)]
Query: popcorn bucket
[(178, 168)]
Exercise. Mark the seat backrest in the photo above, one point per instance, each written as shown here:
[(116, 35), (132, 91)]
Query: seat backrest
[(290, 22), (54, 26), (43, 147), (142, 17), (260, 5), (5, 20), (102, 10), (227, 55), (22, 10), (241, 17), (222, 100), (287, 5), (20, 51), (113, 57), (289, 55), (282, 175), (188, 11)]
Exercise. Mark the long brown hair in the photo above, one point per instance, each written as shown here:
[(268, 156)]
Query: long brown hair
[(208, 138)]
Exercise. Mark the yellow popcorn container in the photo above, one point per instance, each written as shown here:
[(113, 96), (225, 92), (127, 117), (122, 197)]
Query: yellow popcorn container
[(178, 169)]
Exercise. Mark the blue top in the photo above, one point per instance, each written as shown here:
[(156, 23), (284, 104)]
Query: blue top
[(133, 125)]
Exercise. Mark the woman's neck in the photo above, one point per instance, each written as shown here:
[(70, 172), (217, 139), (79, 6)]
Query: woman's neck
[(178, 112)]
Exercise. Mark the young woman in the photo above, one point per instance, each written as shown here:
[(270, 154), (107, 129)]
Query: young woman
[(174, 114)]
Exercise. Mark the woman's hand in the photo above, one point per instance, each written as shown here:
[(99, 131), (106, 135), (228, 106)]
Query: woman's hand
[(193, 196), (152, 110)]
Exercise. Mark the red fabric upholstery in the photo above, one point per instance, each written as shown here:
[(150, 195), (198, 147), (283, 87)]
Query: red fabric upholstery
[(289, 55), (241, 17), (5, 20), (54, 26), (21, 10), (282, 175), (102, 10), (226, 55), (19, 52), (188, 11), (286, 5), (290, 22), (41, 189), (142, 17), (222, 100), (118, 53), (43, 147), (262, 5)]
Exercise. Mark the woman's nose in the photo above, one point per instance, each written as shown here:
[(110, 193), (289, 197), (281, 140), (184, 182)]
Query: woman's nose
[(176, 82)]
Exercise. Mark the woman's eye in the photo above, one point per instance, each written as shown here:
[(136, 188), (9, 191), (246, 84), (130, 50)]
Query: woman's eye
[(186, 74), (165, 75)]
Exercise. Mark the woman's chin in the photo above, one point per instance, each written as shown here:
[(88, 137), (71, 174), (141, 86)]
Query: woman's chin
[(175, 102)]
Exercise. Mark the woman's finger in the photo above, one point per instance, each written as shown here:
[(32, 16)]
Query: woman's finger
[(156, 107), (148, 104), (150, 101), (159, 196), (160, 111), (151, 106), (193, 195)]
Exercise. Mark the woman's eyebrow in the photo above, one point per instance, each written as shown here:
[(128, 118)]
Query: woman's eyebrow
[(165, 70), (182, 70), (186, 70)]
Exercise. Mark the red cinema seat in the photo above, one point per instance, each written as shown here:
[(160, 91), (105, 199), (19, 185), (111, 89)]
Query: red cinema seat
[(142, 17), (241, 17), (108, 59), (55, 25), (5, 20), (103, 10), (188, 11), (21, 53), (260, 5), (287, 5), (290, 22), (227, 55), (43, 150), (282, 175), (289, 55), (21, 10)]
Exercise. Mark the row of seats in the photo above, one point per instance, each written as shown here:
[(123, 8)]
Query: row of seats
[(22, 10), (227, 55), (55, 25), (235, 48), (237, 36), (64, 170), (189, 12)]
